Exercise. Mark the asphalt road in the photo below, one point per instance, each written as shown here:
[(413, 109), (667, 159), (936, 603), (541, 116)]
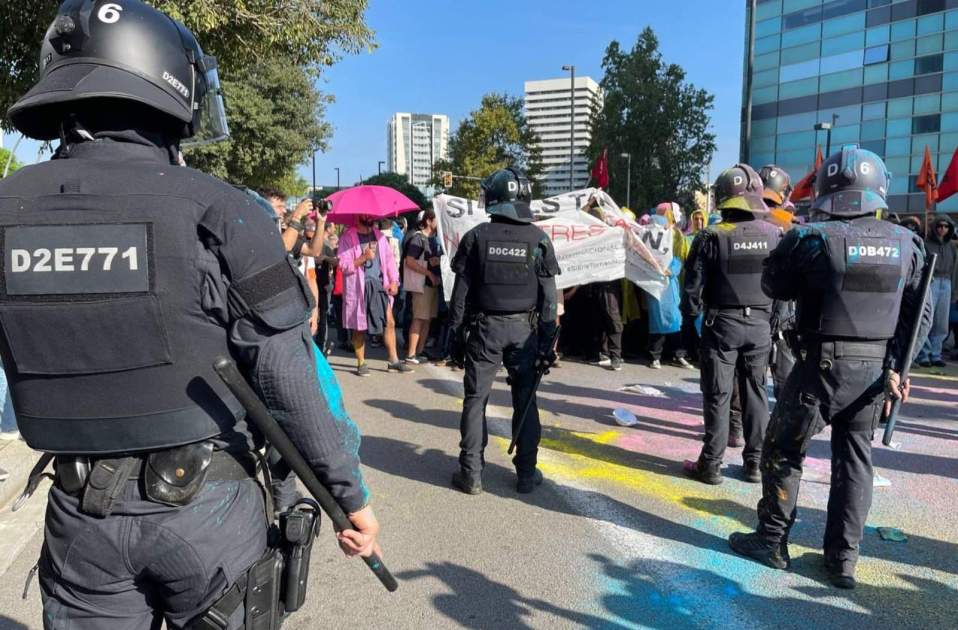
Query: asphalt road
[(616, 537)]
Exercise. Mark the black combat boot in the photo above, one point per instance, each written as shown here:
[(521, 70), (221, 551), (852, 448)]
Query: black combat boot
[(467, 482), (839, 576), (528, 483), (702, 472), (752, 472), (755, 547)]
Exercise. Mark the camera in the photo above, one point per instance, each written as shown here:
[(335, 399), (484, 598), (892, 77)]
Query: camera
[(322, 206)]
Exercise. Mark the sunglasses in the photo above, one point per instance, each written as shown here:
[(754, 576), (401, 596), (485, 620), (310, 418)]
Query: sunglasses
[(941, 225)]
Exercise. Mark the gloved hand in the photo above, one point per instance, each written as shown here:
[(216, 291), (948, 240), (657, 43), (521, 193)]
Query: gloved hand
[(894, 389), (457, 349), (546, 359)]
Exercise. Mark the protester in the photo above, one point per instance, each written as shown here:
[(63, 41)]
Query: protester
[(420, 280), (665, 318), (327, 262), (370, 282), (608, 298), (939, 242)]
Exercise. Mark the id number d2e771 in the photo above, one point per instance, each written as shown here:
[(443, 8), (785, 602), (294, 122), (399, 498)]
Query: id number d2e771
[(67, 259)]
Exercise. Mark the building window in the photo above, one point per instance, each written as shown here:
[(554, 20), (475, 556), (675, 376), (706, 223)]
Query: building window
[(876, 54), (802, 18), (926, 124), (879, 16), (929, 64), (930, 6)]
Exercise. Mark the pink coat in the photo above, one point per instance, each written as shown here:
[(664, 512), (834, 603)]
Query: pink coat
[(354, 280)]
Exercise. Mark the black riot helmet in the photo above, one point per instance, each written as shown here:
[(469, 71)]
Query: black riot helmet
[(851, 183), (777, 185), (507, 193), (739, 188), (117, 52)]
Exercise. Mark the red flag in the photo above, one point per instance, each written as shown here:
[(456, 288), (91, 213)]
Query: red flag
[(805, 188), (600, 172), (927, 180), (949, 183)]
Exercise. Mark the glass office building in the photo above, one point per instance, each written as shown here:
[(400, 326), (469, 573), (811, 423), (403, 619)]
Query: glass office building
[(887, 70)]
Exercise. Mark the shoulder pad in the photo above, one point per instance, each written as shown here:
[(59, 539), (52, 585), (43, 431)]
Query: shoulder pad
[(547, 265)]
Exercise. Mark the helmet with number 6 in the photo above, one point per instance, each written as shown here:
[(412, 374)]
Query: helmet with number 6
[(507, 194), (851, 183), (113, 54)]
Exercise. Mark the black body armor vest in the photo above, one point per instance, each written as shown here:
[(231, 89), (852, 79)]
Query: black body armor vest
[(106, 343), (860, 295), (736, 279), (507, 276)]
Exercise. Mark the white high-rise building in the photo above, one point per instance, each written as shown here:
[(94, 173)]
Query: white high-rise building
[(549, 113), (414, 142)]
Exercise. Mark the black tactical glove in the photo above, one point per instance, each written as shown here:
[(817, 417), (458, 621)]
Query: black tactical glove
[(457, 349), (546, 360)]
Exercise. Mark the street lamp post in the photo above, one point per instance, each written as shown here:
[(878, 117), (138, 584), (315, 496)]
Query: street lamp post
[(571, 69), (379, 166), (314, 174), (628, 181), (827, 128), (337, 178)]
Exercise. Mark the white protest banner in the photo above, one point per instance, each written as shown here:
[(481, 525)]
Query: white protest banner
[(589, 249)]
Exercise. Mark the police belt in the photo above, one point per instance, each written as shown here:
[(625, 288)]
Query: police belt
[(826, 351), (172, 476)]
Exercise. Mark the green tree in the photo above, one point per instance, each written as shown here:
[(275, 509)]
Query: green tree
[(274, 115), (239, 33), (270, 54), (652, 113), (494, 136), (400, 183), (4, 158)]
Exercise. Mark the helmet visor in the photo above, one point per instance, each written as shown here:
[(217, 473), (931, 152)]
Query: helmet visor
[(210, 120)]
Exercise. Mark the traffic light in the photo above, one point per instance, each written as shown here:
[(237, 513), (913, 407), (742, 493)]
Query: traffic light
[(446, 179)]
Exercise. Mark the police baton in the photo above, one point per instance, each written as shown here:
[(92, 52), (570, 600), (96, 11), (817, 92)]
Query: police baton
[(532, 395), (926, 276), (259, 415)]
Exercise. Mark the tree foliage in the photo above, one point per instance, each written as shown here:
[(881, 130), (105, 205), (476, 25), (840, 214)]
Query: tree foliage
[(400, 183), (494, 136), (650, 112), (4, 158), (269, 136), (270, 54)]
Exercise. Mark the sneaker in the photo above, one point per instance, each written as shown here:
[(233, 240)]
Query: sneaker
[(752, 472), (603, 361), (469, 484), (924, 364), (525, 485), (363, 370), (616, 365), (754, 547), (399, 366), (838, 577), (9, 436), (413, 360), (656, 364), (938, 363), (697, 471), (682, 362)]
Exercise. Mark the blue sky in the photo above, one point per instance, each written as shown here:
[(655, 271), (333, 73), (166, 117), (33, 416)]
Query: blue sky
[(441, 56)]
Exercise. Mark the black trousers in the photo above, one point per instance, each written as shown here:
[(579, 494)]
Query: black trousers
[(824, 389), (146, 561), (735, 346), (781, 366), (658, 342), (609, 304), (322, 329), (512, 341)]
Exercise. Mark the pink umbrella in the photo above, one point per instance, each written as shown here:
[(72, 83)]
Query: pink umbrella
[(372, 201)]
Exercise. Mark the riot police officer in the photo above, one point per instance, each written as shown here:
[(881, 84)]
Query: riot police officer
[(723, 279), (503, 310), (856, 281), (125, 276), (777, 187)]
